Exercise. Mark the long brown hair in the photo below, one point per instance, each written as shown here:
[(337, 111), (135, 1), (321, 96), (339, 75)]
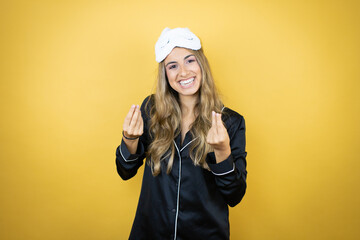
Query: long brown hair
[(165, 115)]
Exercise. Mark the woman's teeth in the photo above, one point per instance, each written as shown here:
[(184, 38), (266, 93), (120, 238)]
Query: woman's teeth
[(186, 82)]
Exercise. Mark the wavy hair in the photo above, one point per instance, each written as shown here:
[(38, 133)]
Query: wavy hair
[(165, 118)]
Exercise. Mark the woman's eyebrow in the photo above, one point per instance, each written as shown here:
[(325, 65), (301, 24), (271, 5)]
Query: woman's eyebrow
[(184, 59), (169, 63)]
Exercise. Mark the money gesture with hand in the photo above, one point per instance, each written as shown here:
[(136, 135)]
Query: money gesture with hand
[(133, 128), (218, 138)]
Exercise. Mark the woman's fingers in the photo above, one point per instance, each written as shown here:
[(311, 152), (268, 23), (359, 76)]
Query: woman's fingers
[(213, 119), (134, 120), (129, 116), (218, 120), (217, 134), (211, 136), (219, 125), (218, 138), (133, 124), (139, 126)]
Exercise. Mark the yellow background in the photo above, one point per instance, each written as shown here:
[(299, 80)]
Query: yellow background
[(71, 69)]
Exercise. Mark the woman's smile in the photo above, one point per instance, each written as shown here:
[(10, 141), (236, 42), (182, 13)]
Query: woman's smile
[(187, 83)]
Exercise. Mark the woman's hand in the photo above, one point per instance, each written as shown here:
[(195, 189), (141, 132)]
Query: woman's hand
[(133, 128), (218, 138)]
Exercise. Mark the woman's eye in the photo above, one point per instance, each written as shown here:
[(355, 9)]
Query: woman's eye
[(172, 67), (191, 60)]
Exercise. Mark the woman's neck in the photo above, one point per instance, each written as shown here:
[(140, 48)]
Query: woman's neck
[(187, 104)]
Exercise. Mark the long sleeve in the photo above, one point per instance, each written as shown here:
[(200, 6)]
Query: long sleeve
[(127, 164), (230, 174)]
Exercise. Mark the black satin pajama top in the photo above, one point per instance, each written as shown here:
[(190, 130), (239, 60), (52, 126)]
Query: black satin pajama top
[(190, 202)]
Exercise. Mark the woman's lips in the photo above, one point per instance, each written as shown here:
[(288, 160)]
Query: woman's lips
[(187, 82)]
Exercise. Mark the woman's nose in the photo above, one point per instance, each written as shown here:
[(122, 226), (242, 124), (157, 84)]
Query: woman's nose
[(183, 71)]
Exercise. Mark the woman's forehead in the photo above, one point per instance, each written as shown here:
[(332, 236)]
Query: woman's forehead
[(177, 54)]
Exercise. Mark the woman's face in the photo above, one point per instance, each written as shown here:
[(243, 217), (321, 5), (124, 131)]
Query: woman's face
[(183, 71)]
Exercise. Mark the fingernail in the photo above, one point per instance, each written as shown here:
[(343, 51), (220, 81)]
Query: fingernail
[(133, 106), (213, 113)]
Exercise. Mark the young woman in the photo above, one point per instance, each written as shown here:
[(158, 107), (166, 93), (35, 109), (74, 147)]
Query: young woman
[(193, 145)]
